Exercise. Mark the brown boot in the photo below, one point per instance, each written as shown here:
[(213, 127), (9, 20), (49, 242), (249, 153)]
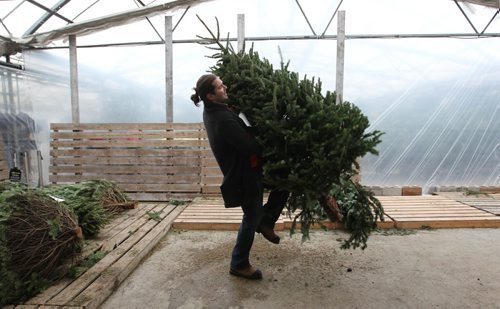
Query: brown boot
[(269, 234), (250, 273)]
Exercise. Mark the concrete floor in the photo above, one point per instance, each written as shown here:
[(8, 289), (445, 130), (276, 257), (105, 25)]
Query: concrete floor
[(449, 268)]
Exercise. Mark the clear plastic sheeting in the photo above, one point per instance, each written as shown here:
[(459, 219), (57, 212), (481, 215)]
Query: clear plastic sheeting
[(440, 133), (18, 131), (436, 99)]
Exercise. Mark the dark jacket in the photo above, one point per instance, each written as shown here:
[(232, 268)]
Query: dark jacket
[(236, 152)]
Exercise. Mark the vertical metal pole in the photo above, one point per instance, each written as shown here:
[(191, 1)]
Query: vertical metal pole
[(40, 168), (169, 85), (340, 75), (241, 32), (340, 57), (73, 71), (26, 167), (13, 111)]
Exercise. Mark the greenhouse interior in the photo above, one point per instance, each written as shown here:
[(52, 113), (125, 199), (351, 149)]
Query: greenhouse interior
[(424, 72), (350, 118)]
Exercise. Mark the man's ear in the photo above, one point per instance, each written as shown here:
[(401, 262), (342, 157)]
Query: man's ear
[(210, 96)]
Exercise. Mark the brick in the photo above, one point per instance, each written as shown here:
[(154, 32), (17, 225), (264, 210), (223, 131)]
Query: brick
[(411, 190), (489, 189)]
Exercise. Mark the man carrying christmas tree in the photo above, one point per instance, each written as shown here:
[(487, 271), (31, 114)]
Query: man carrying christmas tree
[(239, 158)]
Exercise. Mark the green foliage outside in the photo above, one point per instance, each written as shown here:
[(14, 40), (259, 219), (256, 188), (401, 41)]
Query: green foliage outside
[(310, 142)]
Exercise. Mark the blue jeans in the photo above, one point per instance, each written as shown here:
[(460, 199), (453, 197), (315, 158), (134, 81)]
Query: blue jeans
[(252, 214), (272, 209)]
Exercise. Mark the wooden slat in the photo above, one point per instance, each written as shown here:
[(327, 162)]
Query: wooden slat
[(215, 181), (209, 162), (162, 196), (126, 169), (130, 179), (126, 135), (132, 159), (126, 126), (138, 152), (210, 189), (212, 170), (127, 143), (176, 187)]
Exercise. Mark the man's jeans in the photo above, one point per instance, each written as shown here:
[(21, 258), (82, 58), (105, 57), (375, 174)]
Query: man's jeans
[(272, 209), (252, 214)]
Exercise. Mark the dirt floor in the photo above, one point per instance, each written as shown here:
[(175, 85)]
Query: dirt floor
[(449, 268)]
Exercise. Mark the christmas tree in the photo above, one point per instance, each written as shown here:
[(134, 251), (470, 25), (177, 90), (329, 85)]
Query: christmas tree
[(310, 143)]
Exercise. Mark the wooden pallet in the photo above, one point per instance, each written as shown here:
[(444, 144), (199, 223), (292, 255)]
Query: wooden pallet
[(127, 240), (401, 212), (209, 213), (148, 161), (484, 201)]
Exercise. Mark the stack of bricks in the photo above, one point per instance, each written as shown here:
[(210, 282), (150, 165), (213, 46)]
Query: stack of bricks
[(395, 190)]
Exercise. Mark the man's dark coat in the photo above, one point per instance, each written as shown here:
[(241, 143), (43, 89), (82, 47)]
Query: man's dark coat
[(236, 151)]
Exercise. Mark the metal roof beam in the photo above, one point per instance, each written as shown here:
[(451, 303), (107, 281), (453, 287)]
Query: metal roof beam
[(334, 13), (105, 22), (179, 21), (294, 37), (149, 21), (466, 17), (49, 13), (304, 14), (470, 22), (492, 18)]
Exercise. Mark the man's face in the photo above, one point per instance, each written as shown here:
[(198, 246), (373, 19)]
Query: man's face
[(220, 94)]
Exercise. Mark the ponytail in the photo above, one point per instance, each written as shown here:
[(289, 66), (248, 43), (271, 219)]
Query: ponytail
[(203, 87)]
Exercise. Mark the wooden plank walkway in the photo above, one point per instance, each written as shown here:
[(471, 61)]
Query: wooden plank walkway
[(208, 213), (127, 240)]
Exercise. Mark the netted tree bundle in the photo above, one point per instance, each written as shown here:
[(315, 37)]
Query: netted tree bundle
[(38, 237), (94, 202)]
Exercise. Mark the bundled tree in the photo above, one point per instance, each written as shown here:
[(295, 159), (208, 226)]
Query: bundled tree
[(310, 142), (94, 202), (37, 237)]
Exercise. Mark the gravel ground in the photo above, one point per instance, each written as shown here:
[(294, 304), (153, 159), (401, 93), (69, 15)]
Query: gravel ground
[(448, 268)]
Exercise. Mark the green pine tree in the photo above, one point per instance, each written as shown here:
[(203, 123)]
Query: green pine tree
[(310, 143)]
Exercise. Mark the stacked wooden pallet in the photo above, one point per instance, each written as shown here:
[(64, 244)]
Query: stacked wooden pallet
[(149, 161), (484, 201), (435, 212), (400, 212)]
